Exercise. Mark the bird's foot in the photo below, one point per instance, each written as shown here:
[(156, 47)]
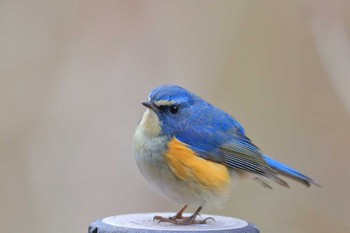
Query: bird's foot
[(184, 221)]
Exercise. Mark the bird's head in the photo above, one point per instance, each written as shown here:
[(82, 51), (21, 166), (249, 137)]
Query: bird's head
[(171, 109)]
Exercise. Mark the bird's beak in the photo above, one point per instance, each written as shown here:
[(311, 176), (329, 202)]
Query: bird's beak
[(150, 106)]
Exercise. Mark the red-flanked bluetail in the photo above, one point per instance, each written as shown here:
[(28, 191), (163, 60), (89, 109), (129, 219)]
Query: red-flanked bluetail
[(192, 152)]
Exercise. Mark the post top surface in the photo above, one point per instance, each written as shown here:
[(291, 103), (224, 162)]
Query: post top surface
[(145, 221)]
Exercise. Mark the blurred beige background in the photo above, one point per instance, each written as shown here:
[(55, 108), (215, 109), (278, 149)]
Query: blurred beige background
[(73, 74)]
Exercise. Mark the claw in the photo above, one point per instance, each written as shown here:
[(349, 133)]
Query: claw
[(163, 219), (204, 221), (184, 221)]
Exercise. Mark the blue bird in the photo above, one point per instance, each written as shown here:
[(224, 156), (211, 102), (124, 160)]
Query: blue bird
[(193, 153)]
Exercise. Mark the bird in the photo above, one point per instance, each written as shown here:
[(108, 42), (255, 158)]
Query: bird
[(193, 153)]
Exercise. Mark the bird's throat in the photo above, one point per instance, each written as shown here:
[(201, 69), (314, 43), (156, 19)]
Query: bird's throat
[(150, 123)]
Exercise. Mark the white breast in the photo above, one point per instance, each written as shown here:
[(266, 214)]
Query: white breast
[(149, 149)]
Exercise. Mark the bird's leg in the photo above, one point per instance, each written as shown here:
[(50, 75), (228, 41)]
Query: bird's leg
[(172, 219), (192, 219), (178, 219), (178, 215)]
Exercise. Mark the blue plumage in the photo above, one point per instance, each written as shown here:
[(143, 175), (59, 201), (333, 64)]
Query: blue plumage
[(189, 150), (288, 171), (215, 135)]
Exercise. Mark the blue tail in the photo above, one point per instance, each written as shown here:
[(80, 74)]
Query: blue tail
[(289, 172)]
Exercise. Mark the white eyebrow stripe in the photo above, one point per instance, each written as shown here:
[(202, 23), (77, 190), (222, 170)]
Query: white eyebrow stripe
[(164, 103)]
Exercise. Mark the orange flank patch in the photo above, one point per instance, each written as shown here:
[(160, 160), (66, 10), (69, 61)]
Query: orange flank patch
[(189, 167)]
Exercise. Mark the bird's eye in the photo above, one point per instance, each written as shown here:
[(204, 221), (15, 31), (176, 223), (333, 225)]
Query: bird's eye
[(174, 109)]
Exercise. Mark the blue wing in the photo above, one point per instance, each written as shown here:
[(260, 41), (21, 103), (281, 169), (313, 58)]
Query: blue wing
[(216, 136)]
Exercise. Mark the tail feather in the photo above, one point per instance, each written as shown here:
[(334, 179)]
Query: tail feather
[(289, 172)]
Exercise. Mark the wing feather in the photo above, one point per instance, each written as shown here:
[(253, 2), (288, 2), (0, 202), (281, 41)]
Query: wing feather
[(241, 153)]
